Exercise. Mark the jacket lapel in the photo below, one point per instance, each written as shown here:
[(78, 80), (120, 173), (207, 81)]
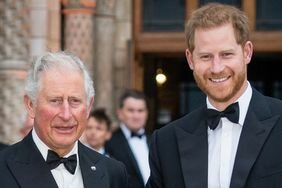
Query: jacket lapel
[(92, 169), (258, 124), (29, 167), (193, 150), (129, 153)]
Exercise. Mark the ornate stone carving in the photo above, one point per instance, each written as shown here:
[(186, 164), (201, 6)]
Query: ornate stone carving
[(14, 55)]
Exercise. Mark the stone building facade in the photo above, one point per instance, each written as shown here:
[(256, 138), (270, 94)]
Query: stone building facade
[(99, 32)]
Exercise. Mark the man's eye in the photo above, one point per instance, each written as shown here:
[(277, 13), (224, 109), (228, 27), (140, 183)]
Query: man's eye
[(74, 101), (227, 55), (55, 101), (130, 110), (205, 57)]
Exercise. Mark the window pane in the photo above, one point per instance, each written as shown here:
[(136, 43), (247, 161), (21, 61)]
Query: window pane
[(269, 15), (163, 15), (237, 3)]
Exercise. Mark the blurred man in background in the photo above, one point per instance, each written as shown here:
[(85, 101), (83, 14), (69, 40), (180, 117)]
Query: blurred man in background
[(129, 143)]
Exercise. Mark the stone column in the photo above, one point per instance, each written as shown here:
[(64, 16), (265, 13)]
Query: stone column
[(45, 28), (122, 52), (79, 29), (14, 57), (38, 27), (54, 25), (104, 51)]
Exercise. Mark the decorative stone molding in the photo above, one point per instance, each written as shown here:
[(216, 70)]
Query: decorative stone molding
[(79, 6), (79, 28)]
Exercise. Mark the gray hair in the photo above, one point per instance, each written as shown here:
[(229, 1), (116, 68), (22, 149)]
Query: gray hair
[(48, 60)]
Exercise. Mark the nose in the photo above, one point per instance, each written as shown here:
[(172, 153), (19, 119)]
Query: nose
[(217, 65), (65, 113), (137, 115)]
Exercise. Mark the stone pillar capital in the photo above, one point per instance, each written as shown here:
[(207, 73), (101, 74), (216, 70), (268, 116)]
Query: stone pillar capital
[(78, 6)]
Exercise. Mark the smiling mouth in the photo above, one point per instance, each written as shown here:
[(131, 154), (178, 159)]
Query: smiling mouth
[(64, 129), (219, 80)]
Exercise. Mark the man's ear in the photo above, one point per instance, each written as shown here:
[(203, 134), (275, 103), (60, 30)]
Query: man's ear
[(29, 106), (189, 59), (248, 51)]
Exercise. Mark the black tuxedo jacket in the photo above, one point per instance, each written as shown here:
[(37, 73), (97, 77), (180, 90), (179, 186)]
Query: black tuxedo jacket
[(118, 148), (2, 146), (22, 166), (179, 151)]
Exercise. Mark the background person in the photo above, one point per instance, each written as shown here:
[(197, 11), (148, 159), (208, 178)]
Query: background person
[(129, 143), (27, 126), (98, 130)]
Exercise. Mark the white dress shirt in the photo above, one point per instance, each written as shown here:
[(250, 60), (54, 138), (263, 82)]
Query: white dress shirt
[(63, 178), (223, 143), (139, 148)]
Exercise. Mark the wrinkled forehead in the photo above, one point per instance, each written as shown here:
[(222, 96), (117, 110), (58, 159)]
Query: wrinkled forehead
[(59, 72)]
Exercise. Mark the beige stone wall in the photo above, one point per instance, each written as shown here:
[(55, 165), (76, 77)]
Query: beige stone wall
[(54, 25), (14, 56), (122, 50), (104, 50), (45, 26), (79, 28), (12, 111)]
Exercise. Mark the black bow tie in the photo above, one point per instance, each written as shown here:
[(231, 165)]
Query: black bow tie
[(134, 134), (231, 113), (54, 160)]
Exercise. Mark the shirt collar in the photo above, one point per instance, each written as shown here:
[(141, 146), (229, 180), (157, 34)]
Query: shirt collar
[(243, 100), (102, 151), (127, 132), (43, 148)]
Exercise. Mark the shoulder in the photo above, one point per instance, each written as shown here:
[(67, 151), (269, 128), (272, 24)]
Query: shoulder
[(264, 104), (113, 165), (2, 146), (117, 134), (117, 139), (114, 169), (8, 156), (11, 151), (91, 156), (187, 122)]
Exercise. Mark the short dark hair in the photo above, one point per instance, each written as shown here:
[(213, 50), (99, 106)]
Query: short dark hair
[(101, 116), (133, 93)]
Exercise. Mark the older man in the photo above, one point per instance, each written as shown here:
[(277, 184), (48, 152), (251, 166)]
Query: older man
[(59, 96)]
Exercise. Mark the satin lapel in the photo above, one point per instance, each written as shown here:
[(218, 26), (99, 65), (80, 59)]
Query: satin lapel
[(29, 167), (129, 153), (193, 151), (148, 139), (92, 169), (253, 136)]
